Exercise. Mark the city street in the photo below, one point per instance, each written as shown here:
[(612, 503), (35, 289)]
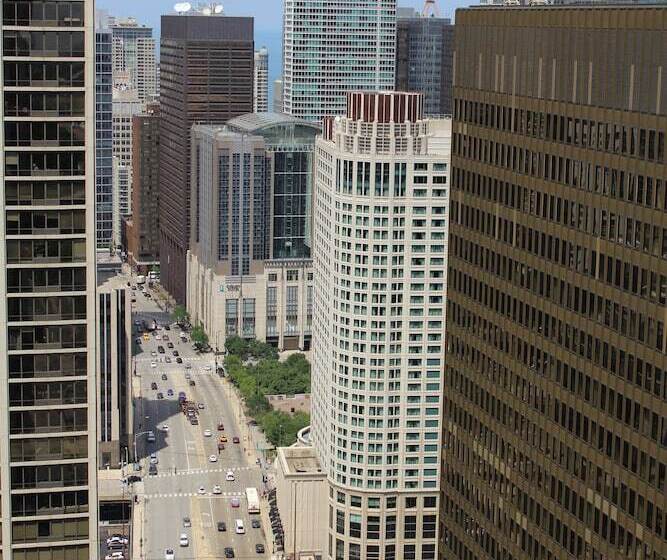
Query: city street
[(184, 484)]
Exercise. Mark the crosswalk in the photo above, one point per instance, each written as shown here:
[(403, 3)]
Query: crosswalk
[(194, 495), (173, 360), (188, 472)]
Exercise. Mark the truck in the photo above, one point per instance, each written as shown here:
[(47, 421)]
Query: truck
[(252, 498), (141, 279)]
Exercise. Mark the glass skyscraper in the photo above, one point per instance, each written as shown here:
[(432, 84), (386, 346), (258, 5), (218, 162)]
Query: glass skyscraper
[(103, 138)]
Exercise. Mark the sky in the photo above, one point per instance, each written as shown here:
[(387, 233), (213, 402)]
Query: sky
[(267, 14)]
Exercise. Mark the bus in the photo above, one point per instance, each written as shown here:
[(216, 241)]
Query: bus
[(253, 500)]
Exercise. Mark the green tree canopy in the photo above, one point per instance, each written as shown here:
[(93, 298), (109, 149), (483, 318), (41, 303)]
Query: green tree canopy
[(199, 336), (180, 315)]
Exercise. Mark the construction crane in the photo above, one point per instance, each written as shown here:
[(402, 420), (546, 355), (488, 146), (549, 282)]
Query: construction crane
[(430, 9)]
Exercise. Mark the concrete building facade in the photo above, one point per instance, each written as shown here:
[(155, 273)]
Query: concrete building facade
[(424, 53), (206, 76), (142, 229), (555, 440), (278, 95), (261, 81), (48, 446), (114, 359), (380, 246), (332, 47)]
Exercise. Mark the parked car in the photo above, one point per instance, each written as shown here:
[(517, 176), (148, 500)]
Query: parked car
[(221, 526)]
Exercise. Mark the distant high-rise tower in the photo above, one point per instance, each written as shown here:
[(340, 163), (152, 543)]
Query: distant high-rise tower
[(134, 52), (103, 141), (332, 47), (555, 413), (278, 95), (261, 81), (206, 69), (380, 246), (49, 394), (424, 49)]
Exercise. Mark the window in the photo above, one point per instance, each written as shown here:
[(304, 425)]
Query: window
[(355, 501), (292, 275), (340, 522), (430, 501), (273, 277), (390, 527), (410, 527), (409, 552), (429, 527), (355, 552), (355, 525), (410, 502), (373, 527), (428, 552)]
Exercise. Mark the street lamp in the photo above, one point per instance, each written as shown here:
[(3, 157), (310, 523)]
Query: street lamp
[(135, 442)]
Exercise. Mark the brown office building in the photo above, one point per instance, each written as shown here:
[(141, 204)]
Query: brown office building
[(143, 247), (555, 423), (206, 76)]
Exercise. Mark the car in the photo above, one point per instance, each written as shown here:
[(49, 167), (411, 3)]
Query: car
[(160, 396), (153, 353), (154, 386), (175, 352), (207, 433), (259, 548), (118, 555), (160, 349), (221, 526), (170, 392), (179, 360), (221, 427), (255, 524), (213, 458), (217, 489), (153, 363), (133, 300), (229, 476), (221, 446), (153, 458), (183, 540), (223, 439), (200, 406), (235, 502), (167, 328), (146, 337), (165, 428), (164, 377), (169, 554), (148, 296), (188, 366), (137, 323), (201, 491), (167, 359), (194, 421), (152, 470), (187, 375), (165, 337), (229, 552), (235, 439), (191, 383), (207, 368), (187, 522), (133, 478), (138, 340), (121, 539), (170, 344)]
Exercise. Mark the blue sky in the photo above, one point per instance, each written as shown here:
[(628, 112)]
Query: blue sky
[(267, 14)]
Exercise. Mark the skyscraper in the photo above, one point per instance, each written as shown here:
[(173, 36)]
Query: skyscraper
[(103, 141), (278, 95), (424, 49), (332, 47), (48, 452), (134, 52), (143, 245), (380, 245), (206, 76), (555, 442), (261, 81)]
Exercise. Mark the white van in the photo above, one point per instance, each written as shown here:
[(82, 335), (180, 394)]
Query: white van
[(240, 529), (150, 437)]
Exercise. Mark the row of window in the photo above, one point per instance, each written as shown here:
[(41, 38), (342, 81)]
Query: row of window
[(44, 193), (48, 449), (610, 137), (45, 476), (47, 337), (21, 251), (45, 222), (40, 394), (43, 421), (24, 280), (44, 74), (43, 43), (50, 530), (49, 503)]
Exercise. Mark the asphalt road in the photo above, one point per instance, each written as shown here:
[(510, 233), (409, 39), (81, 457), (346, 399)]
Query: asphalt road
[(183, 454)]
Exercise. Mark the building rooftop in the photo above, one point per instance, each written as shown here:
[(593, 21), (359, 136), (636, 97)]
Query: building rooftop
[(252, 122), (300, 461), (280, 131)]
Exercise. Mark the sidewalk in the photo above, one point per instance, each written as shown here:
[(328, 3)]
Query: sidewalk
[(138, 523)]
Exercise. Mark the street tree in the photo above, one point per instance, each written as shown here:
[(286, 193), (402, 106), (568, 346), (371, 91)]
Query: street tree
[(180, 315), (199, 336)]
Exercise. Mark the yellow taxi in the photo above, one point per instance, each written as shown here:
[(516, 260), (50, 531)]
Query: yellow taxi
[(223, 439), (146, 337)]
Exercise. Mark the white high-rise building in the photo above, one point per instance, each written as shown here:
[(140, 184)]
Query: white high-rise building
[(260, 96), (333, 47), (380, 246), (133, 51)]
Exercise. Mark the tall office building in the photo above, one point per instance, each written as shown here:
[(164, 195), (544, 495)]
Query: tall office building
[(206, 76), (278, 95), (555, 440), (332, 47), (261, 81), (48, 452), (143, 247), (134, 52), (125, 105), (424, 49), (249, 271), (380, 246), (103, 142)]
